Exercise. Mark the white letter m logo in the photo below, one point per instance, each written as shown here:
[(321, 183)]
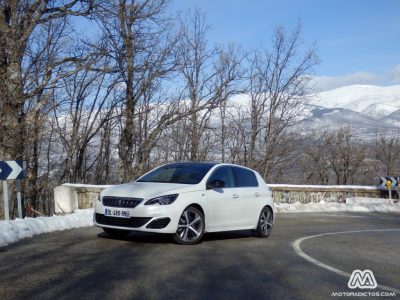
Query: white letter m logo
[(362, 279)]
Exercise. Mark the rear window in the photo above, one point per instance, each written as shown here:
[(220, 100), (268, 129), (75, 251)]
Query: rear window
[(245, 178)]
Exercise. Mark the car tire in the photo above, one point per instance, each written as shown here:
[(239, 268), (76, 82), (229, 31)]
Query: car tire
[(191, 227), (265, 223), (116, 232)]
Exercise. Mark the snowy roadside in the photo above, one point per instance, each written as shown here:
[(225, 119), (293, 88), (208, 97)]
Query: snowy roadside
[(323, 206), (12, 231), (15, 230)]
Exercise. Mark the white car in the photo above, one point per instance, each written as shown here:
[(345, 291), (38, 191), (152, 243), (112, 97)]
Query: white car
[(187, 200)]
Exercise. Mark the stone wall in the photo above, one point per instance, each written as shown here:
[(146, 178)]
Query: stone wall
[(70, 197), (306, 193)]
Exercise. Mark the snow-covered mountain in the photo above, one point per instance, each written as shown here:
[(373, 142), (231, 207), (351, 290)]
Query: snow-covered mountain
[(373, 101), (334, 118), (367, 109)]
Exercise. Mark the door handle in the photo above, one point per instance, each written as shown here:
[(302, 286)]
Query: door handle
[(257, 194), (235, 196)]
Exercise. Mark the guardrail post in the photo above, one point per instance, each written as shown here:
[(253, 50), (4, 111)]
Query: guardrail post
[(19, 198), (5, 199)]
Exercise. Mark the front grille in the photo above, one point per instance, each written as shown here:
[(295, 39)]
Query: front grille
[(159, 223), (121, 201), (134, 222)]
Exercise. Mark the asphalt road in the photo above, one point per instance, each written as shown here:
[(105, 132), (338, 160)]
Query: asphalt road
[(87, 264)]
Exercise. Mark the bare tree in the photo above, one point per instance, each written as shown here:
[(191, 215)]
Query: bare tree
[(85, 106), (315, 163), (138, 43), (278, 89), (18, 21), (387, 154), (344, 155), (210, 76), (47, 46), (104, 171), (237, 134), (31, 62)]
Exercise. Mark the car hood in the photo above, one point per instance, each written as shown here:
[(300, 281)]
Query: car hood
[(147, 190)]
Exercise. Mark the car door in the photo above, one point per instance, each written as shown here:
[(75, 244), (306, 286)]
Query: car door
[(223, 204), (250, 194)]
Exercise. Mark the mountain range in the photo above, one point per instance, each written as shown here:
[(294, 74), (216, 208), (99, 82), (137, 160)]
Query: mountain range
[(367, 109)]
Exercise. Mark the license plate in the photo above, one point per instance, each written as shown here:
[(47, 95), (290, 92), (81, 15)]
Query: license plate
[(119, 213)]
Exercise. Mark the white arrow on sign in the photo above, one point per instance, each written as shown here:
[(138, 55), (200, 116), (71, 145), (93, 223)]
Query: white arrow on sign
[(16, 169), (383, 179), (393, 180)]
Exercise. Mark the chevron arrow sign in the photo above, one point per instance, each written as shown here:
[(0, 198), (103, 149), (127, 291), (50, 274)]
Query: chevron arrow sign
[(394, 182), (12, 169)]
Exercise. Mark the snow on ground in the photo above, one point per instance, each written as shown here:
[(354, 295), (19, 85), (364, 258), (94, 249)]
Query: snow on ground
[(321, 187), (323, 206), (87, 185), (12, 231), (15, 230)]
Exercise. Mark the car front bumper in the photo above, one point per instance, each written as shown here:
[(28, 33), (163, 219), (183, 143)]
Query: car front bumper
[(146, 218)]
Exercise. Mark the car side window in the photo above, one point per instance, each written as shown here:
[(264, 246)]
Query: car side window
[(245, 178), (225, 174)]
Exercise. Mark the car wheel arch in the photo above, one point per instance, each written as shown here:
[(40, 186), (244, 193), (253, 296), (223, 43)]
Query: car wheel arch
[(198, 206), (272, 210)]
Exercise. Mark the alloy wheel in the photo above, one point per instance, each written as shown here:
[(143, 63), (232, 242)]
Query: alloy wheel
[(190, 226), (265, 222)]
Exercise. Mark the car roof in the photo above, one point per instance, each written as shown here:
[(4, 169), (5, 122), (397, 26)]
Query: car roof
[(209, 164)]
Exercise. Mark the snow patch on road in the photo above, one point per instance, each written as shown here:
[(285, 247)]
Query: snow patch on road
[(323, 187), (15, 230), (323, 206)]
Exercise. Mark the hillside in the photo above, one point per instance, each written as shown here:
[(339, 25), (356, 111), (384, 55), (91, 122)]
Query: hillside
[(372, 101), (367, 109)]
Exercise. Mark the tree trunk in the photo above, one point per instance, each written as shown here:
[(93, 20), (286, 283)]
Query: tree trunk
[(12, 117)]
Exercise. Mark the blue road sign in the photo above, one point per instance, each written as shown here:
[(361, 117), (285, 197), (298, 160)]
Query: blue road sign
[(12, 169)]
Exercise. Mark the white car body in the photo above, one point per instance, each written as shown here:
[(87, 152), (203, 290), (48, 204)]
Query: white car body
[(224, 209)]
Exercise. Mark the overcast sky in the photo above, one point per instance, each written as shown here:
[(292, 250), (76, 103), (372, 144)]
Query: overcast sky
[(358, 41)]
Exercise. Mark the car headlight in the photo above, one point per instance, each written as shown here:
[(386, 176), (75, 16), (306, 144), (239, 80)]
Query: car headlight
[(162, 200)]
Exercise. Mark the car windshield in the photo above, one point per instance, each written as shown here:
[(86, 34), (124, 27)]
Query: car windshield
[(184, 173)]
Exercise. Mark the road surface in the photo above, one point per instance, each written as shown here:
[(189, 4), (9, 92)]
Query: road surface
[(88, 264)]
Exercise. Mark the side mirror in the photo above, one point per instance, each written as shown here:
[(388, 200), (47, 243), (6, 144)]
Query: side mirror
[(215, 184)]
